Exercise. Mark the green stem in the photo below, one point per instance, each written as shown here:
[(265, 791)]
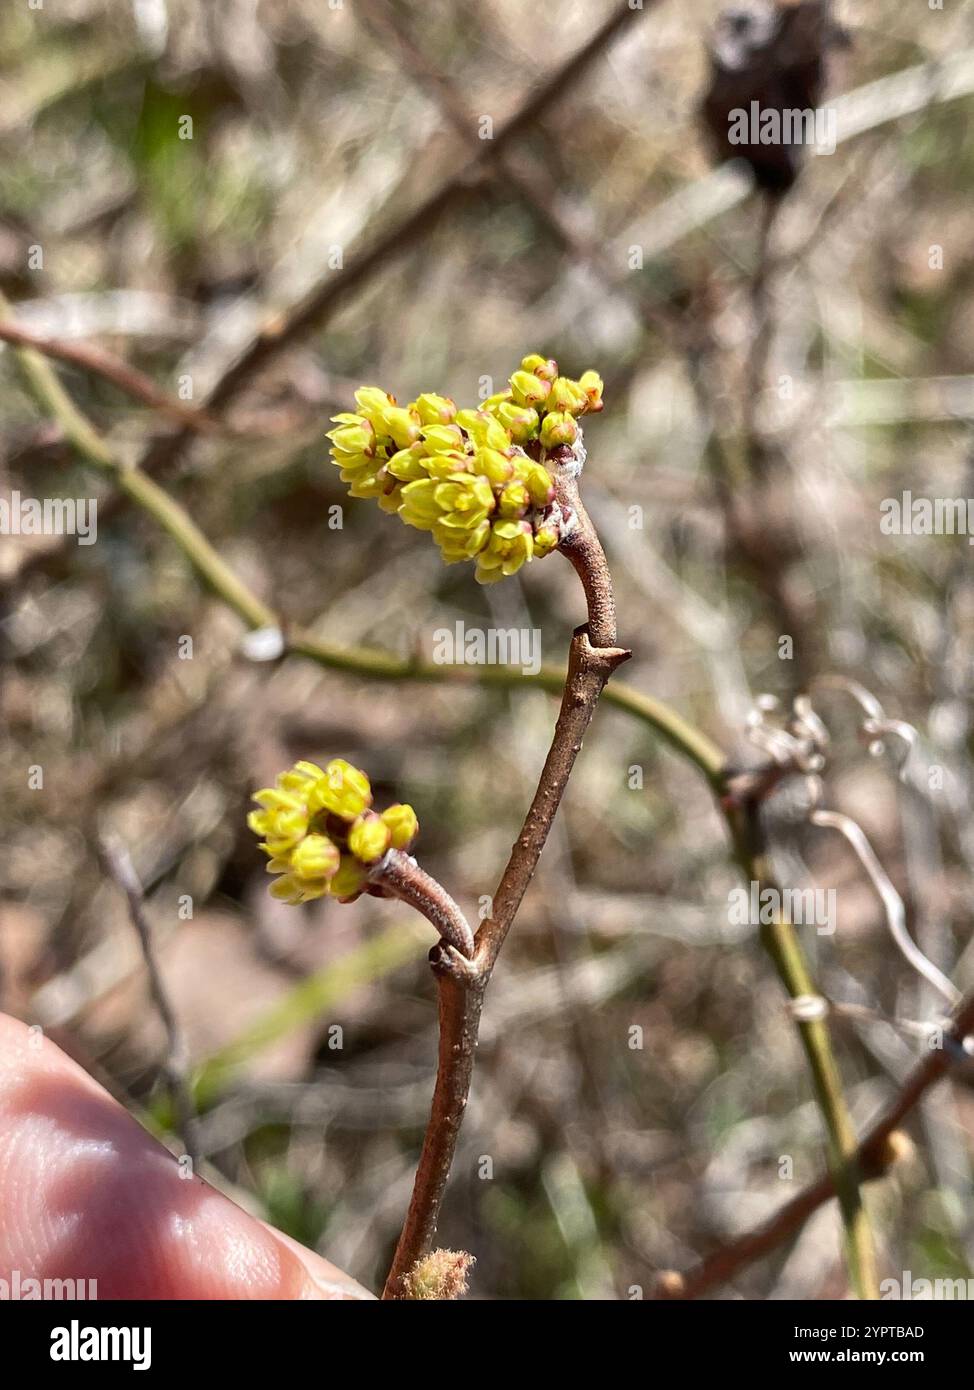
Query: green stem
[(783, 945)]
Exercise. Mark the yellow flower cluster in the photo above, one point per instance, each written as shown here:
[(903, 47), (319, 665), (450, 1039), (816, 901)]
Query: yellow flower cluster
[(320, 833), (476, 479)]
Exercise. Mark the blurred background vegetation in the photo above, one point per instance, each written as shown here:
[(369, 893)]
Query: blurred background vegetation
[(736, 478)]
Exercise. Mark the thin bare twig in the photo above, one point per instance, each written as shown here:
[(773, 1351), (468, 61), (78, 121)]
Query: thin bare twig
[(127, 378), (781, 942), (282, 330), (873, 1158), (175, 1065)]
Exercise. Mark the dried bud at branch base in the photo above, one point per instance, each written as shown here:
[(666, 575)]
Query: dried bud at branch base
[(670, 1284), (896, 1147), (440, 1275)]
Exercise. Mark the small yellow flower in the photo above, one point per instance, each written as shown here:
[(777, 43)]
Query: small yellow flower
[(544, 367), (484, 430), (458, 544), (433, 409), (442, 439), (513, 501), (408, 464), (355, 435), (403, 825), (566, 395), (545, 540), (510, 546), (521, 421), (558, 428), (373, 402), (366, 477), (401, 425), (350, 879), (419, 506), (591, 384), (282, 820), (369, 838), (464, 500), (289, 890), (343, 791), (495, 466), (528, 389), (300, 776), (537, 480), (442, 465), (316, 857)]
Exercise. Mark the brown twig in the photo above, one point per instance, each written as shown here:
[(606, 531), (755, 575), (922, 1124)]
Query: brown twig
[(538, 191), (873, 1159), (175, 1065), (399, 876), (324, 298), (592, 658), (127, 378)]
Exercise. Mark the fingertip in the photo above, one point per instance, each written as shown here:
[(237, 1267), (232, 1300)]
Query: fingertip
[(87, 1193)]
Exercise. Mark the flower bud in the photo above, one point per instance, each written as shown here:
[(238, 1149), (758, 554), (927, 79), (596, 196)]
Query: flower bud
[(442, 439), (513, 501), (537, 480), (373, 402), (545, 541), (316, 857), (349, 881), (591, 384), (402, 425), (369, 838), (528, 389), (496, 467), (408, 464), (544, 367), (355, 435), (557, 429), (403, 825), (484, 430), (521, 421), (566, 395), (343, 791), (433, 409)]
